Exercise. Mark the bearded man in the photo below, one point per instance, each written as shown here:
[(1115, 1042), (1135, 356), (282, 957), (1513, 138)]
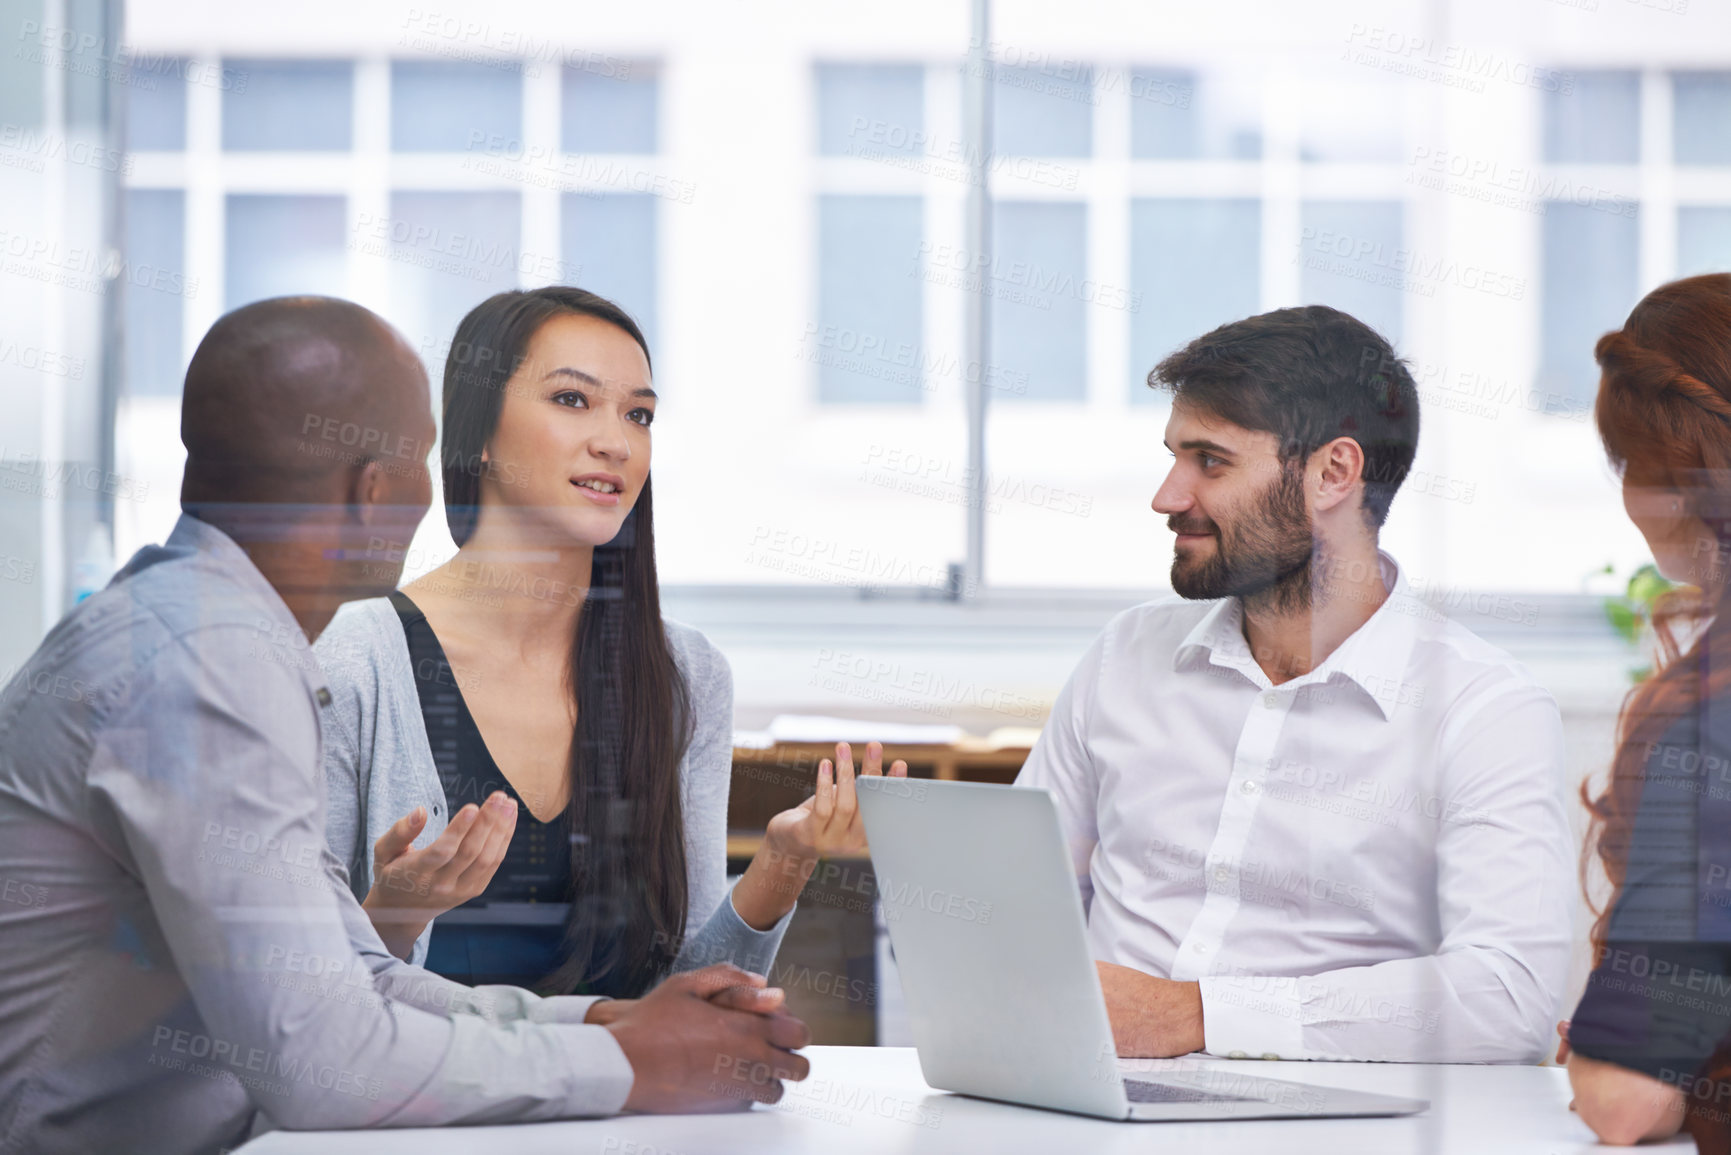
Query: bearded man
[(1311, 817)]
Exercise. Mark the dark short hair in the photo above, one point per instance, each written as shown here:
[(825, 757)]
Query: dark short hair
[(1307, 375)]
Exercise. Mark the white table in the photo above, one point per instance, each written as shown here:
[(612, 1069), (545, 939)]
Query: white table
[(872, 1099)]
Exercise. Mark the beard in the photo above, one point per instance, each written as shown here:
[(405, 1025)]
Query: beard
[(1263, 555)]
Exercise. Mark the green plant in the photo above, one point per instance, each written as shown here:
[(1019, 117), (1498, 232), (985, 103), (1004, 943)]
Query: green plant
[(1631, 614)]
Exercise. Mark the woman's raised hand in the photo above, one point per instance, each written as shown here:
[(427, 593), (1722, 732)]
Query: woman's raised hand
[(825, 825), (828, 823), (412, 887)]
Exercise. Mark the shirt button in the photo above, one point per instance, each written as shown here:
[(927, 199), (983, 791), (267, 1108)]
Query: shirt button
[(435, 808), (1271, 700), (1201, 948), (1221, 874), (1236, 1055), (1271, 1056), (1248, 786)]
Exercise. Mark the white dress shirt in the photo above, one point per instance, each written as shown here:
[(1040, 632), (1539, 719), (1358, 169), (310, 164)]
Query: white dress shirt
[(1367, 862)]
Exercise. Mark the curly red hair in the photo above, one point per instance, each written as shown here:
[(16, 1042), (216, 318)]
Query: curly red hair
[(1664, 416)]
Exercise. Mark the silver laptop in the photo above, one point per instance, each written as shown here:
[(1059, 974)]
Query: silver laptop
[(987, 926)]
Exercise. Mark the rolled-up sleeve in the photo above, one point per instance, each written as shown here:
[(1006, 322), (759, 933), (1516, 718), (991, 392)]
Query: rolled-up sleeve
[(211, 781)]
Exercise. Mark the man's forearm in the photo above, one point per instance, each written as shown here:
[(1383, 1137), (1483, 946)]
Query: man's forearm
[(1151, 1017), (403, 982)]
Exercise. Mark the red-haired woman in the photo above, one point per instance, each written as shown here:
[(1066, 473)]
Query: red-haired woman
[(1647, 1047)]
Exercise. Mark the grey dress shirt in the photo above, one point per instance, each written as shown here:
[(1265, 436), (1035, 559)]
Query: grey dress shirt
[(379, 766), (182, 957)]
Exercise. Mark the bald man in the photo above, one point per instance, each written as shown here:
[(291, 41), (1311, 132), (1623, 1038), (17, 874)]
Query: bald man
[(183, 963)]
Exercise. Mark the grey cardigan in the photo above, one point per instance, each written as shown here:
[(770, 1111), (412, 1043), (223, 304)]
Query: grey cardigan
[(379, 766)]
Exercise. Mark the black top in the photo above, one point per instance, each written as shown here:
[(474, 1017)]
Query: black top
[(513, 931), (1659, 999)]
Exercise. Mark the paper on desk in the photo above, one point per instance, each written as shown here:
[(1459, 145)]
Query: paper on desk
[(1013, 738), (817, 728)]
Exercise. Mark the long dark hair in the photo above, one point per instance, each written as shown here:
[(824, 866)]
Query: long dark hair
[(629, 888)]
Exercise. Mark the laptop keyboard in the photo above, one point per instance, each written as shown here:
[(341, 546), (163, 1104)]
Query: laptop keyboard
[(1141, 1092)]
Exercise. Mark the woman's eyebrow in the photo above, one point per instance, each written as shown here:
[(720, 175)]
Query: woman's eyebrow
[(591, 379), (586, 378)]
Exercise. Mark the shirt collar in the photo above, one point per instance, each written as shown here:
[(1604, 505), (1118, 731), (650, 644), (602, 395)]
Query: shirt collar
[(1220, 634), (1374, 658), (225, 555)]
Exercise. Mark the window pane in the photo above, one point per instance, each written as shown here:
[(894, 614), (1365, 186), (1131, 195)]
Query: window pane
[(609, 112), (609, 248), (86, 78), (1598, 121), (1164, 118), (279, 245), (1043, 111), (1352, 260), (22, 92), (155, 96), (870, 109), (1352, 117), (870, 323), (447, 107), (1177, 114), (1703, 240), (1196, 264), (1590, 268), (155, 281), (289, 105), (1701, 107), (1038, 282), (449, 251)]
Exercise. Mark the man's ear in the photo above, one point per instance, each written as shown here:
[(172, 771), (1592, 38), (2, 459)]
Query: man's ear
[(367, 491), (1339, 472)]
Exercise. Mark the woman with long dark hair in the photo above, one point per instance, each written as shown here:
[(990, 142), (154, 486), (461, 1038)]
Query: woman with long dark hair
[(560, 753), (1647, 1047)]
